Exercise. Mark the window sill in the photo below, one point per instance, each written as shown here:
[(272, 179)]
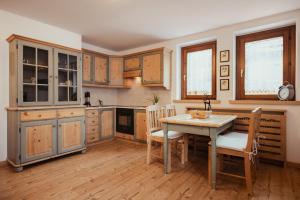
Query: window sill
[(196, 101), (264, 102)]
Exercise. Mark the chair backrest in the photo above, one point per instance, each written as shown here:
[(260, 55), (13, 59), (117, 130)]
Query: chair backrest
[(253, 127), (170, 110), (153, 114)]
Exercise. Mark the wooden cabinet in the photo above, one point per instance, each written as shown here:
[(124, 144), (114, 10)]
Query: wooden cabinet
[(67, 73), (132, 63), (71, 134), (87, 68), (116, 71), (107, 123), (38, 140), (140, 129), (92, 125), (101, 70)]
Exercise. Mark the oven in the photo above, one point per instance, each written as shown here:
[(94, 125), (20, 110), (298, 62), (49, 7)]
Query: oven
[(125, 120)]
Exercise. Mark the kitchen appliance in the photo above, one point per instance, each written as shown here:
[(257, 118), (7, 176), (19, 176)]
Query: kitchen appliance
[(87, 97), (125, 120)]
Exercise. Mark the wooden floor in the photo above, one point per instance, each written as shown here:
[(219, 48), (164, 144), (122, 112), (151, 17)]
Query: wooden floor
[(117, 170)]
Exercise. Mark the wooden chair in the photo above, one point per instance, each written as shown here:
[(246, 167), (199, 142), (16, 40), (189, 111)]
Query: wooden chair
[(240, 145), (155, 133)]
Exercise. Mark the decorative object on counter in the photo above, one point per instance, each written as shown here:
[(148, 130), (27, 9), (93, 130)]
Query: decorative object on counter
[(87, 96), (200, 114), (224, 70), (155, 99), (100, 102), (224, 84), (206, 102), (224, 56), (286, 92)]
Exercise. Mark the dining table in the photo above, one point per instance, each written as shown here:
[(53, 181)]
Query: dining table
[(211, 127)]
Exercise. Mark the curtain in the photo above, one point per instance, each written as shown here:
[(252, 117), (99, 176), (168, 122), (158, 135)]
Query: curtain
[(263, 66)]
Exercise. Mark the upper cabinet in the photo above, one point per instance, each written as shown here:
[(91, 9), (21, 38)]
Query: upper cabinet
[(87, 68), (116, 71), (101, 70), (132, 63), (42, 74)]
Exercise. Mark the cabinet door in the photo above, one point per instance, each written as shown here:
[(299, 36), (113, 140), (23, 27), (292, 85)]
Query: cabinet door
[(132, 63), (71, 134), (38, 140), (140, 129), (106, 123), (68, 77), (35, 74), (87, 68), (116, 71), (152, 68), (101, 70)]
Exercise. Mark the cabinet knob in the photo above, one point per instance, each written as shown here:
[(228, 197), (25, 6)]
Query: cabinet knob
[(26, 113), (40, 115)]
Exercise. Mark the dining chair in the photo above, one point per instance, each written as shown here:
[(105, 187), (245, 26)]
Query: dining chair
[(155, 133), (240, 145)]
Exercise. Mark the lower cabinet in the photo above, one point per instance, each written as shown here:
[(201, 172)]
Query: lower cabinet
[(38, 140), (140, 130), (106, 123), (71, 134)]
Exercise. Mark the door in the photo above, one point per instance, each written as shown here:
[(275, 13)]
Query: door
[(106, 123), (71, 134), (132, 63), (140, 129), (67, 74), (116, 71), (38, 140), (101, 70), (35, 71), (152, 68), (87, 68)]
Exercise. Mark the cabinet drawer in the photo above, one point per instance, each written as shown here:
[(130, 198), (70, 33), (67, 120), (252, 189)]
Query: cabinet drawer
[(92, 138), (77, 112), (38, 115), (92, 129), (92, 121), (92, 113)]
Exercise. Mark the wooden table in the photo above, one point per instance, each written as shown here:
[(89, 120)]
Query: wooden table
[(211, 127)]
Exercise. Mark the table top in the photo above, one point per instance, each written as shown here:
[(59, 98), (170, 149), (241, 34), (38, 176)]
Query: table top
[(214, 121)]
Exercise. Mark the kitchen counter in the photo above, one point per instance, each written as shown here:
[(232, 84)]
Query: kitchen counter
[(116, 106)]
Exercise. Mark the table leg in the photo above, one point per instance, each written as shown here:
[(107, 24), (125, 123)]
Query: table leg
[(213, 158), (166, 148)]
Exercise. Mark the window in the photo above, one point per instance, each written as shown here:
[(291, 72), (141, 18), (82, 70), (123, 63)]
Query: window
[(198, 72), (264, 61)]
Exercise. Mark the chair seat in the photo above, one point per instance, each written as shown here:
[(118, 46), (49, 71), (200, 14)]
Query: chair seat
[(171, 134), (232, 140)]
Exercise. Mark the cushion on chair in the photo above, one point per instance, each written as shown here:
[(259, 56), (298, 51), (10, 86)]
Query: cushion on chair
[(233, 140), (171, 134)]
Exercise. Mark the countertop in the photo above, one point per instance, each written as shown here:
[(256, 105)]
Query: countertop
[(116, 106)]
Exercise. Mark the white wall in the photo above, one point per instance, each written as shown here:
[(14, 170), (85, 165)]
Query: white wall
[(226, 41), (14, 24)]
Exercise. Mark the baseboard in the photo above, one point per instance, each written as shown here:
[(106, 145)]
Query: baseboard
[(293, 164)]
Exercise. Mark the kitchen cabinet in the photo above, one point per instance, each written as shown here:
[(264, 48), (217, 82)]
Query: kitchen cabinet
[(45, 73), (92, 125), (101, 70), (140, 128), (38, 140), (107, 123), (71, 134), (116, 71), (87, 68), (67, 73), (132, 63)]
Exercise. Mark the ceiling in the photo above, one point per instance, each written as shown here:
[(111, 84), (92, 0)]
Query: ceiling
[(125, 24)]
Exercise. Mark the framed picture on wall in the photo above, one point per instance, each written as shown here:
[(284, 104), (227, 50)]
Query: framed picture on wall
[(224, 56), (224, 84), (224, 70)]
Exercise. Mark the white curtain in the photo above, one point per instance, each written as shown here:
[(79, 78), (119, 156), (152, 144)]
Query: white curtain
[(199, 72), (263, 66)]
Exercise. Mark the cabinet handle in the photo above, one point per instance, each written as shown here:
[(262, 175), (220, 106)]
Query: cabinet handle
[(26, 113), (53, 126), (93, 129), (72, 113), (59, 125), (40, 115)]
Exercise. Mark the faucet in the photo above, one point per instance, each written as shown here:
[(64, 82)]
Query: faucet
[(100, 102)]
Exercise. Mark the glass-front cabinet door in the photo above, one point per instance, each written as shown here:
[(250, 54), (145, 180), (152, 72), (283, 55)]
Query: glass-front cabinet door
[(35, 73), (67, 72)]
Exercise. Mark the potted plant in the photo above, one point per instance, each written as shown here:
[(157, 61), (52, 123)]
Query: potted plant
[(155, 99)]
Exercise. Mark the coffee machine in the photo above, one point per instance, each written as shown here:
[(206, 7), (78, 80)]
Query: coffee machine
[(87, 97)]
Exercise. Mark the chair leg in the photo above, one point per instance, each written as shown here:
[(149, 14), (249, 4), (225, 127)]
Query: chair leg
[(248, 174), (149, 148), (169, 156), (186, 147), (182, 153), (209, 165)]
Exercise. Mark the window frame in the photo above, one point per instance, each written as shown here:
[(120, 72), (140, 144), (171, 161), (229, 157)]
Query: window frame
[(198, 47), (289, 45)]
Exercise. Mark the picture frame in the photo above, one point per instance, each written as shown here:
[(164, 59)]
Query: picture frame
[(224, 84), (225, 56), (224, 70)]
